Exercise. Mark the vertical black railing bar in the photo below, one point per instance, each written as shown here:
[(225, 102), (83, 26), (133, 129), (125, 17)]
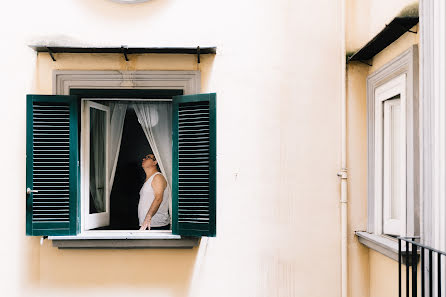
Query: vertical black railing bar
[(414, 271), (399, 267), (411, 259), (430, 274), (439, 275), (422, 272), (407, 269)]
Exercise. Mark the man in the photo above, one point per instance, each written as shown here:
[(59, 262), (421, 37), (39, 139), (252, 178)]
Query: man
[(153, 207)]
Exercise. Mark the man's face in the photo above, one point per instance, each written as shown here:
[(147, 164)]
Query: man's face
[(148, 161)]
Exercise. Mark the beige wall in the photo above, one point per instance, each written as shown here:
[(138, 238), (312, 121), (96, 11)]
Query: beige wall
[(358, 269), (384, 276), (366, 18), (278, 86), (370, 273)]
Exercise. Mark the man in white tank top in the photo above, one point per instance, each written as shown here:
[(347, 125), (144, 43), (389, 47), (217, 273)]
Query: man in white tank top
[(153, 207)]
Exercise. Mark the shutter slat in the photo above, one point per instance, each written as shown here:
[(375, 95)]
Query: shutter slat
[(196, 116), (194, 131), (52, 164), (185, 110)]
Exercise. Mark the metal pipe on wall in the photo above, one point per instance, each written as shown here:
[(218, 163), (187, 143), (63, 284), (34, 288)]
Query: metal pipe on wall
[(343, 173)]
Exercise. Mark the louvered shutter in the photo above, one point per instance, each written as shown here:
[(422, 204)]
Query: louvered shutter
[(51, 165), (194, 165)]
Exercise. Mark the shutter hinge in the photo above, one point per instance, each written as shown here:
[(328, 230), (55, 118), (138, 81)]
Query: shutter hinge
[(42, 238)]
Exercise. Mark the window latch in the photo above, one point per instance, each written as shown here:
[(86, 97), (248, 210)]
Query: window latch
[(29, 191)]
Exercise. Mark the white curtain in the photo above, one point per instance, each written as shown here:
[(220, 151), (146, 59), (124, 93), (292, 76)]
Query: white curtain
[(156, 121), (117, 117)]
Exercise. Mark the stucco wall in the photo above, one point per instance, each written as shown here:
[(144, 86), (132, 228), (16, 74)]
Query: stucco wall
[(358, 267), (379, 285), (367, 268), (387, 286), (277, 77), (367, 18)]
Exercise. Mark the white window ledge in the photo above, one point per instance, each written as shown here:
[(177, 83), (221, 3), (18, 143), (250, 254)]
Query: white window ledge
[(382, 244), (124, 239)]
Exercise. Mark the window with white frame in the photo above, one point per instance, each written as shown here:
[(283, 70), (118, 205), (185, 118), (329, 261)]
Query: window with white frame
[(96, 194), (393, 147), (117, 134), (390, 156)]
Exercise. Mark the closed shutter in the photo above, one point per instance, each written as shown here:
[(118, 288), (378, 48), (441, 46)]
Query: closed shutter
[(51, 165), (194, 165)]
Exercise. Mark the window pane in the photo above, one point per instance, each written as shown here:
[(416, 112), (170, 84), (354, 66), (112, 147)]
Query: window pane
[(396, 161), (97, 160), (392, 157)]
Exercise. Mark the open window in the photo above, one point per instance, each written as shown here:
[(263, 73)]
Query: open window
[(69, 195), (96, 194), (134, 129)]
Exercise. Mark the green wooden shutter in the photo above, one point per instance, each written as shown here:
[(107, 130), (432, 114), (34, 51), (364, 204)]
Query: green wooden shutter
[(194, 165), (51, 165)]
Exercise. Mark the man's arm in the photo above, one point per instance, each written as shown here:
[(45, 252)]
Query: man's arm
[(159, 184)]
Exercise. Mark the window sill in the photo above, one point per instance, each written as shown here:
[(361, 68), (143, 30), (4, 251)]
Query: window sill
[(381, 244), (123, 239)]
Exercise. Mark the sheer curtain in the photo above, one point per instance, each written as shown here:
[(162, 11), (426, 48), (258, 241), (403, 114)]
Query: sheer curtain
[(156, 121), (117, 117), (98, 147)]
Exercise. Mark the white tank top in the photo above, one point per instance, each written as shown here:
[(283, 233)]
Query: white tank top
[(146, 197)]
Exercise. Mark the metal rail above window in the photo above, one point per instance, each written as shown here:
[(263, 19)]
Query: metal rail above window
[(391, 32), (124, 50)]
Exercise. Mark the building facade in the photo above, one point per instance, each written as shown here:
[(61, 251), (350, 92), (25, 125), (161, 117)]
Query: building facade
[(324, 155)]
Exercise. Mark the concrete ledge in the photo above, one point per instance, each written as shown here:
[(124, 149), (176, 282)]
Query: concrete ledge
[(119, 234), (183, 243), (381, 244)]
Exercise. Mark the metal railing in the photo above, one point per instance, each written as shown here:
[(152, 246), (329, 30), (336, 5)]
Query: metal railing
[(409, 256)]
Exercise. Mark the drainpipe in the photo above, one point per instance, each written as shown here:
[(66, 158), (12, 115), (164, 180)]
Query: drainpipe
[(343, 173)]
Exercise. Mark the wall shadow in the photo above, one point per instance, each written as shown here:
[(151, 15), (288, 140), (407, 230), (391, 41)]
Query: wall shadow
[(169, 269), (110, 10)]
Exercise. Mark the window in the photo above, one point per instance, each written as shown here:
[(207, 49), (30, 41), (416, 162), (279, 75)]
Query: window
[(57, 182), (96, 193), (393, 171), (390, 156), (135, 128), (393, 147)]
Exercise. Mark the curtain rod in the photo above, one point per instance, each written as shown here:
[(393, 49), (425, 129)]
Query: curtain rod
[(128, 99)]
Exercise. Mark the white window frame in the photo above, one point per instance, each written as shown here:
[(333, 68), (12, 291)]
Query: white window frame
[(92, 221), (383, 223), (64, 80), (404, 64)]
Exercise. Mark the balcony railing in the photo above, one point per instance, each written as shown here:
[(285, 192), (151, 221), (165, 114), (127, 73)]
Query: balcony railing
[(409, 256)]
